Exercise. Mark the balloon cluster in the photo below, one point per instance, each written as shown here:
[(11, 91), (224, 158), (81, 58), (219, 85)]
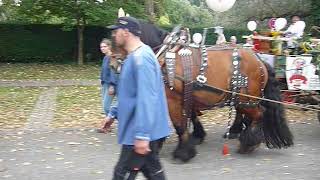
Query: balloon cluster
[(276, 24)]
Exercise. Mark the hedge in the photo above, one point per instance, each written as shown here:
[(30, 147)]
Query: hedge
[(50, 43), (47, 43)]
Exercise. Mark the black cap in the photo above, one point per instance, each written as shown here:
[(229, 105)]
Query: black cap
[(130, 23)]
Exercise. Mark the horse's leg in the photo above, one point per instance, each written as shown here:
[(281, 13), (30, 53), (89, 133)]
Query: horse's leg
[(198, 133), (237, 126), (185, 149), (251, 137)]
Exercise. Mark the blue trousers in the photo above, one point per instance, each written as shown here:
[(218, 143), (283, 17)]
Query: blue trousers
[(107, 100)]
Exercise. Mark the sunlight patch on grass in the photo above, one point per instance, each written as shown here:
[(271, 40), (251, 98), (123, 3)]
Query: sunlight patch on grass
[(30, 71), (16, 106), (78, 106)]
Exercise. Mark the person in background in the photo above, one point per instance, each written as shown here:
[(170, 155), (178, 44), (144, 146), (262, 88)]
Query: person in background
[(221, 39), (249, 43), (108, 79), (233, 40), (142, 109), (294, 31)]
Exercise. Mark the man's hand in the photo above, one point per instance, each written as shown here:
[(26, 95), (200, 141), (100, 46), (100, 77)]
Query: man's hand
[(111, 90), (106, 125), (141, 146), (108, 122)]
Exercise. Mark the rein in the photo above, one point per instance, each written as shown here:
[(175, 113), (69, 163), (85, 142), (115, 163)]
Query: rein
[(265, 99)]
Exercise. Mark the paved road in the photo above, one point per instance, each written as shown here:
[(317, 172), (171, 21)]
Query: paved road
[(85, 155), (69, 154)]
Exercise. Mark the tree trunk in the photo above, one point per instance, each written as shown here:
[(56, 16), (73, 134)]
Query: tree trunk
[(149, 8), (80, 28)]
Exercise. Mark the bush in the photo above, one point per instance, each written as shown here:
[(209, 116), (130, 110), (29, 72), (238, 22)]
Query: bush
[(49, 43)]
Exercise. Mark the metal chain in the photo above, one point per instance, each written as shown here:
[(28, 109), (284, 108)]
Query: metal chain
[(188, 84), (201, 78), (262, 82), (235, 88)]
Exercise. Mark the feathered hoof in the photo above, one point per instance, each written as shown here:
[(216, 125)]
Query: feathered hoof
[(185, 154), (231, 136), (247, 149), (196, 140)]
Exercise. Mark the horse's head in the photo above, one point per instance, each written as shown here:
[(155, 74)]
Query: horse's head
[(152, 35)]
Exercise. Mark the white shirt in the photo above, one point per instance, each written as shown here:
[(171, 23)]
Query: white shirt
[(296, 29)]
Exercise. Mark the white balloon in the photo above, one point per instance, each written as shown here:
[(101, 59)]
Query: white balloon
[(197, 38), (220, 5), (252, 25), (280, 23)]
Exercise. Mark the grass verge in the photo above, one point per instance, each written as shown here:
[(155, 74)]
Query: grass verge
[(16, 106), (78, 107), (19, 71)]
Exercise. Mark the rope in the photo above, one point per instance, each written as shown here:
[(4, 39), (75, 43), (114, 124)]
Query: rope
[(297, 91), (265, 99)]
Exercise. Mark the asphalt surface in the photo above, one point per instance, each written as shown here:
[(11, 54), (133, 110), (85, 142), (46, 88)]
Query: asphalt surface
[(83, 154)]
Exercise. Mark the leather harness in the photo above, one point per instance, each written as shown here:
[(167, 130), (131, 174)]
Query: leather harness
[(190, 85)]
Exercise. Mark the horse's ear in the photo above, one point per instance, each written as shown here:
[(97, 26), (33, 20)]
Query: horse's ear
[(121, 13)]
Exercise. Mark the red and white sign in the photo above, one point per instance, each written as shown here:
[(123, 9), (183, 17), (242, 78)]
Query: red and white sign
[(300, 74)]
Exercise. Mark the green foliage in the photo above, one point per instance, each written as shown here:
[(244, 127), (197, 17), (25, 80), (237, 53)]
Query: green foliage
[(183, 12), (33, 43), (47, 43), (69, 12), (196, 2), (134, 8), (8, 11), (164, 20), (315, 12), (75, 12)]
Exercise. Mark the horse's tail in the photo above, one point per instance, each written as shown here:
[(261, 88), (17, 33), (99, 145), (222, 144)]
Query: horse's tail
[(276, 131)]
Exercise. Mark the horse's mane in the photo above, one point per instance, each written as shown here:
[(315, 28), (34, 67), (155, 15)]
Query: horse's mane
[(152, 35)]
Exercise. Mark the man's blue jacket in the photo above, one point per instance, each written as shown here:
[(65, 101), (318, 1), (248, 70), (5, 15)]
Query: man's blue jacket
[(142, 109)]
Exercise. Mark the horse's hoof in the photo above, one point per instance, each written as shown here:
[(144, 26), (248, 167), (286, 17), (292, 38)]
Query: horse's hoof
[(247, 149), (198, 136), (231, 136), (184, 154), (196, 140)]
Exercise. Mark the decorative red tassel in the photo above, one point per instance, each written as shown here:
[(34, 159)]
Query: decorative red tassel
[(225, 149)]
